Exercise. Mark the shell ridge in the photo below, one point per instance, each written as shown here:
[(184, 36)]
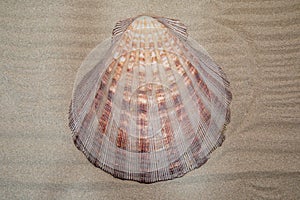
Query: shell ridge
[(139, 141), (113, 128), (222, 86), (192, 68), (204, 81), (207, 132), (209, 136), (163, 169), (165, 72), (177, 164), (218, 74), (120, 134), (216, 80), (172, 71), (93, 101), (103, 103), (93, 152), (201, 124), (114, 70), (180, 55), (128, 89), (203, 100), (122, 128), (75, 119), (176, 27), (159, 172), (103, 111), (212, 68), (171, 121), (164, 159), (86, 85), (219, 96), (189, 78), (120, 27), (78, 134)]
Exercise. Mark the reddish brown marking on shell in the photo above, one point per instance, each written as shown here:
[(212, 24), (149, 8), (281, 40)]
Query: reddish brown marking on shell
[(175, 167), (87, 119), (103, 85), (122, 140), (168, 132), (143, 145), (103, 121), (204, 113), (165, 121), (142, 46), (97, 99), (123, 136), (105, 116), (201, 83)]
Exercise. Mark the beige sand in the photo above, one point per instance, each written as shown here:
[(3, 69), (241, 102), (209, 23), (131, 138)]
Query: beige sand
[(257, 43)]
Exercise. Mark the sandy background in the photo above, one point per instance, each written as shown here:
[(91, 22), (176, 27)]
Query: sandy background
[(257, 42)]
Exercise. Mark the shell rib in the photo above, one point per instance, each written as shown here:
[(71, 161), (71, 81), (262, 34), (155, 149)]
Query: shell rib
[(151, 105)]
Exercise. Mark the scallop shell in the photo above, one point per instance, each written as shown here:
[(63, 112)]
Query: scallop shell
[(149, 104)]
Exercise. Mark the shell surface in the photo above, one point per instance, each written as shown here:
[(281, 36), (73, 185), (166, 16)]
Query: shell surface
[(151, 104)]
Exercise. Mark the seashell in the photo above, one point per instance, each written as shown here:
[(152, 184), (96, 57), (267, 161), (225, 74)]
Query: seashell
[(149, 104)]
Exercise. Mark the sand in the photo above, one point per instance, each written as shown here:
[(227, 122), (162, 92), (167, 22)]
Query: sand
[(256, 42)]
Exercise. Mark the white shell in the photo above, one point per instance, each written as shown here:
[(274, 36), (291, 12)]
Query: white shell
[(150, 105)]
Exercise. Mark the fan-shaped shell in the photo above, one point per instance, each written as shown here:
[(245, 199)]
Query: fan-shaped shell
[(151, 104)]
